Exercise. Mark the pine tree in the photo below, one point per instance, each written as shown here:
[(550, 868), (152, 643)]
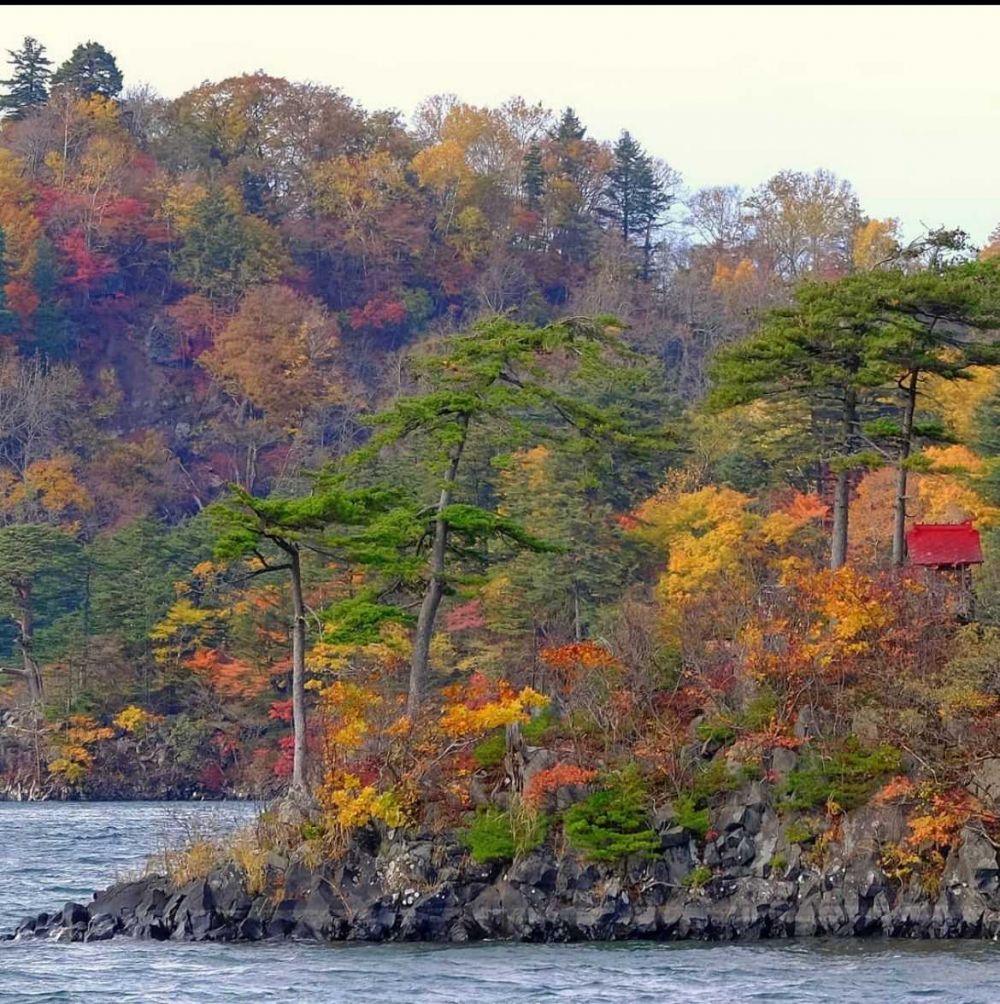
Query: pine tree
[(634, 198), (533, 177), (927, 326), (494, 377), (570, 128), (50, 325), (27, 87), (818, 352), (275, 535), (91, 70), (574, 230)]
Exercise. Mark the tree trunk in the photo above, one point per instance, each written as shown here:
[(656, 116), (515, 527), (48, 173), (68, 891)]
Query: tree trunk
[(435, 586), (899, 514), (842, 491), (298, 673)]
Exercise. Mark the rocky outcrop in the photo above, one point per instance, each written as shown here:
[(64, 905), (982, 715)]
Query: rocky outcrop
[(426, 888)]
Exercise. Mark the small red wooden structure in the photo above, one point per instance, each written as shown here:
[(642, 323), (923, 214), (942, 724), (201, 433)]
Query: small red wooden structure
[(950, 549), (944, 545)]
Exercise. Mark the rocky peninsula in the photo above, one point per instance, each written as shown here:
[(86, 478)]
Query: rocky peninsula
[(746, 880)]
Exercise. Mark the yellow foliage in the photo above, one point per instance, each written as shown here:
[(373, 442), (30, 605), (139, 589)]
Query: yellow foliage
[(711, 536), (180, 203), (350, 805), (460, 720), (704, 533), (184, 626), (847, 609), (946, 493), (875, 242), (71, 771), (956, 400), (726, 277), (443, 168), (392, 649), (134, 719)]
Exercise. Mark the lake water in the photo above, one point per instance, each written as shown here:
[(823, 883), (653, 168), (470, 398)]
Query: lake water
[(52, 852)]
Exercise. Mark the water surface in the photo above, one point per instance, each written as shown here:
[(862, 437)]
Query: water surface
[(52, 852)]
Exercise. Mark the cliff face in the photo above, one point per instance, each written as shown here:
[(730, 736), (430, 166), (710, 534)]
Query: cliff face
[(426, 888)]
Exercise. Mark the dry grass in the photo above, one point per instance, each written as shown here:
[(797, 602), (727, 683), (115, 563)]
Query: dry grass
[(247, 847), (185, 864)]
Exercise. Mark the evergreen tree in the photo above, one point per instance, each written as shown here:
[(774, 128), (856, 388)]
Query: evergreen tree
[(533, 177), (574, 230), (8, 322), (27, 87), (38, 566), (494, 378), (569, 129), (817, 351), (90, 70), (634, 198), (275, 534), (225, 252), (926, 327)]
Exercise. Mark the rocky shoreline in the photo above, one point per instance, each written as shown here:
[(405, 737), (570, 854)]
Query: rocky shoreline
[(422, 887)]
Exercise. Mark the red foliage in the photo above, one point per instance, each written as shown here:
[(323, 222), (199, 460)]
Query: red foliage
[(466, 617), (211, 777), (227, 675), (286, 758), (378, 313), (87, 268), (280, 711)]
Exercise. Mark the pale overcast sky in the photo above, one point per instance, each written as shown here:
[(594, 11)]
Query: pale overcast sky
[(903, 101)]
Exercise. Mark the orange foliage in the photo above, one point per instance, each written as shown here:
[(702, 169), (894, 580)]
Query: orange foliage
[(546, 782), (940, 828), (898, 788), (227, 676)]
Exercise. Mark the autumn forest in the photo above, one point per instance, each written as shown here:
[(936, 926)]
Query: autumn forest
[(357, 453)]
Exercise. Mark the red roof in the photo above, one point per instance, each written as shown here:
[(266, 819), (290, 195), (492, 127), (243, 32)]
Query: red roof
[(944, 544)]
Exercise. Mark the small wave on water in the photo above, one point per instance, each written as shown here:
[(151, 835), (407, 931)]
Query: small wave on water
[(53, 852)]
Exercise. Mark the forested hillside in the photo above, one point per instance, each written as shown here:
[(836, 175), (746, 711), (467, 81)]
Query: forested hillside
[(364, 452)]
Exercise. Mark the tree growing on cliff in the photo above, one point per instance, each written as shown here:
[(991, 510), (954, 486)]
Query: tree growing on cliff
[(928, 327), (817, 351), (502, 375), (272, 536)]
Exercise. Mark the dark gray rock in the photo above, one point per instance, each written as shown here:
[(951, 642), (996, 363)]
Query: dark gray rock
[(75, 913), (102, 926)]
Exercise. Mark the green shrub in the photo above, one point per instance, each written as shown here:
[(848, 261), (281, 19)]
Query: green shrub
[(778, 863), (490, 837), (500, 836), (800, 831), (614, 822), (690, 816), (713, 778), (698, 878), (715, 730), (760, 710), (490, 752), (312, 831), (848, 777), (537, 728)]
